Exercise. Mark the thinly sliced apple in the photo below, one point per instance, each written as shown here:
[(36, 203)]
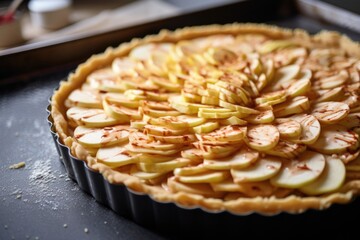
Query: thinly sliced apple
[(105, 80), (135, 149), (262, 169), (332, 81), (183, 139), (144, 52), (139, 139), (225, 134), (124, 66), (310, 128), (299, 172), (202, 189), (299, 87), (179, 122), (351, 120), (331, 95), (330, 112), (92, 118), (295, 105), (330, 180), (101, 137), (262, 137), (114, 157), (120, 99), (335, 139), (164, 83), (218, 115), (190, 170), (286, 149), (266, 116), (86, 99), (163, 167), (205, 177), (206, 127), (232, 121), (241, 159), (162, 131), (288, 127), (283, 78), (134, 171), (238, 108), (272, 45), (137, 124), (192, 154), (153, 158)]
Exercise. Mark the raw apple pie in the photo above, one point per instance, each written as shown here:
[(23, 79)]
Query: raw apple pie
[(239, 117)]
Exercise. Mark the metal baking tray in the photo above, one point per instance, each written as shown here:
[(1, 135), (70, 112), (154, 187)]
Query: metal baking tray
[(42, 74)]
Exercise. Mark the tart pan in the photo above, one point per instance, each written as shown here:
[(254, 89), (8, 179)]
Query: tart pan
[(179, 221)]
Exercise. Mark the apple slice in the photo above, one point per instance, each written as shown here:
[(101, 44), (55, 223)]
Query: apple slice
[(134, 171), (262, 137), (299, 87), (137, 124), (238, 108), (288, 127), (105, 80), (141, 140), (330, 112), (232, 121), (229, 133), (124, 66), (332, 81), (335, 139), (266, 116), (166, 84), (283, 78), (158, 113), (330, 180), (101, 137), (193, 154), (262, 169), (204, 177), (310, 128), (330, 95), (185, 139), (178, 122), (351, 120), (295, 105), (190, 170), (241, 159), (92, 118), (272, 45), (206, 127), (163, 167), (202, 189), (153, 158), (114, 157), (145, 51), (86, 99), (298, 172), (286, 149), (162, 131), (135, 149), (120, 99)]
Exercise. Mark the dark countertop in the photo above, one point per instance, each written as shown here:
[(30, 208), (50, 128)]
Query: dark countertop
[(39, 201)]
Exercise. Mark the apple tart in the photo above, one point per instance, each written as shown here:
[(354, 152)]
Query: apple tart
[(239, 117)]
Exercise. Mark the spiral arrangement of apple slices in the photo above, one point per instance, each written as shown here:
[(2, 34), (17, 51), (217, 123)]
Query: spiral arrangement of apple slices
[(225, 116)]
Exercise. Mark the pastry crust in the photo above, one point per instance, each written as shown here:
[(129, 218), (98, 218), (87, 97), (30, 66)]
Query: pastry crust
[(293, 203)]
